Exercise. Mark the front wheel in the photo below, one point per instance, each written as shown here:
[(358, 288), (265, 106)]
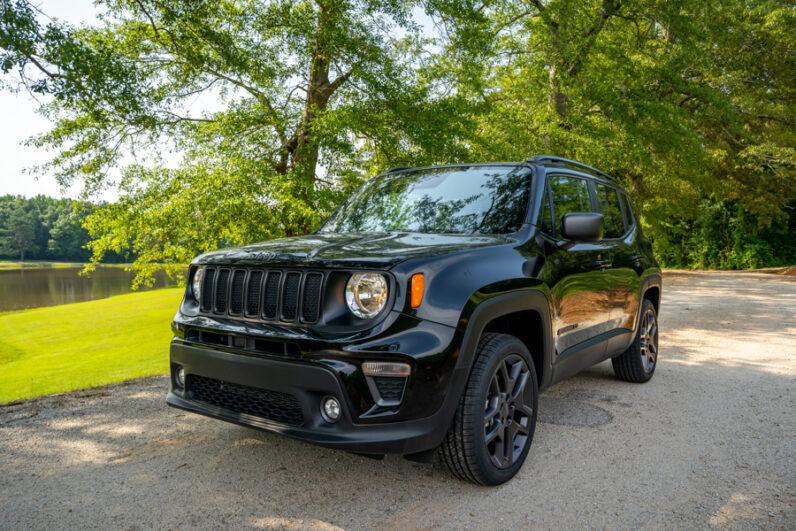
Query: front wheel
[(637, 364), (494, 423)]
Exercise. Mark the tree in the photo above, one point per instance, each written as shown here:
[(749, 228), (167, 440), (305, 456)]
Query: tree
[(18, 232), (682, 101), (306, 86), (67, 236)]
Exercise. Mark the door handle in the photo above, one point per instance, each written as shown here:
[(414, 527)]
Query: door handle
[(637, 258), (601, 264)]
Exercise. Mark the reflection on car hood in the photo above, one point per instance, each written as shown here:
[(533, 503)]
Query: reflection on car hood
[(376, 250)]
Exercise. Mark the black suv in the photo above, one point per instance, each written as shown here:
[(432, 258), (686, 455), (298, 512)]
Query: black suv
[(428, 311)]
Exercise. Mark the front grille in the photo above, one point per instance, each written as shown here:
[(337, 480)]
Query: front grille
[(265, 294), (391, 388), (271, 405)]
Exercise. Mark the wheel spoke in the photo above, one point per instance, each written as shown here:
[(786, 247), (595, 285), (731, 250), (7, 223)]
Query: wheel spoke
[(519, 387), (490, 435), (505, 376), (491, 409), (524, 409), (521, 428)]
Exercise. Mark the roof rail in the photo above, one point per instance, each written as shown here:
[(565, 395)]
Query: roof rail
[(399, 168), (567, 162)]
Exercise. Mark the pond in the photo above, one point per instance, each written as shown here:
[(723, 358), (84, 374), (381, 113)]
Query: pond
[(32, 288)]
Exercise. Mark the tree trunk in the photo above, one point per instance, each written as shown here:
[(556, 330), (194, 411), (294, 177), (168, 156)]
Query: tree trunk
[(556, 99)]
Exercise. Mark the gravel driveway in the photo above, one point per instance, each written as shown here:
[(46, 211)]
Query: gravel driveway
[(710, 441)]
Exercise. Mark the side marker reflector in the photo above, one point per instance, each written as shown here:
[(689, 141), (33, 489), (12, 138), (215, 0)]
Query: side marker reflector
[(418, 286)]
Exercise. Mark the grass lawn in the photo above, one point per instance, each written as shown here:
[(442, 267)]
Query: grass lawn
[(61, 348)]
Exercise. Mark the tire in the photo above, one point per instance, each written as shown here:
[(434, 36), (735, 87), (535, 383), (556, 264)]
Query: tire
[(487, 411), (637, 364)]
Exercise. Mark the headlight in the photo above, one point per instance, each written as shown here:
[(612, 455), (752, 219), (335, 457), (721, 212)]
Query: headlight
[(196, 283), (366, 294)]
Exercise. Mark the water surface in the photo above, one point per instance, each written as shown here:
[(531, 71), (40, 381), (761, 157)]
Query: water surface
[(32, 288)]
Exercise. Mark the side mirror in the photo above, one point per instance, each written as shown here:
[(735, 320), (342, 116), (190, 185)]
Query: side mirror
[(582, 227)]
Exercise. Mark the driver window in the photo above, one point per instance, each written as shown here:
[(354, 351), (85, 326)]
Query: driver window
[(570, 195)]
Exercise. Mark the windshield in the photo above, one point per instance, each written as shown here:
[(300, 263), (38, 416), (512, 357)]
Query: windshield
[(459, 200)]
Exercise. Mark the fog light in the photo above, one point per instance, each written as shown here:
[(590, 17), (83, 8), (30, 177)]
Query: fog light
[(330, 409), (179, 378)]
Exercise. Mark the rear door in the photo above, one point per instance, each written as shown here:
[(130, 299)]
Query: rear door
[(619, 242), (577, 278)]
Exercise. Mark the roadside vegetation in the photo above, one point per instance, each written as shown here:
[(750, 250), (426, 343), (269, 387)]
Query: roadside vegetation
[(61, 348)]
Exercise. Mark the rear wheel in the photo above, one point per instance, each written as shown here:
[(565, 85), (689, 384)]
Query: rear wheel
[(637, 364), (494, 423)]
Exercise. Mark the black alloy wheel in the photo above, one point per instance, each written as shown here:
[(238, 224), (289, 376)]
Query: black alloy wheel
[(637, 364), (508, 411), (492, 430)]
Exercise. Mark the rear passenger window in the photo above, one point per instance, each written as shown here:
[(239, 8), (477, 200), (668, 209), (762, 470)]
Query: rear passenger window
[(608, 200), (570, 195)]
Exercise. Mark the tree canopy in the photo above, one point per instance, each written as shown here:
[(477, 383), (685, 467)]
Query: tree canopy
[(689, 104)]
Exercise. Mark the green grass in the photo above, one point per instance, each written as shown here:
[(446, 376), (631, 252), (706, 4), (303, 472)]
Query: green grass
[(86, 344)]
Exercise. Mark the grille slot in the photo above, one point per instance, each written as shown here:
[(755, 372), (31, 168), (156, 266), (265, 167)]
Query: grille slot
[(269, 295), (310, 303), (271, 302), (272, 405), (236, 292), (290, 295), (207, 290), (222, 285), (253, 293)]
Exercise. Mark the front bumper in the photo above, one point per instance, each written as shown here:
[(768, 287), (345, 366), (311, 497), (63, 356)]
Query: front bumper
[(309, 381)]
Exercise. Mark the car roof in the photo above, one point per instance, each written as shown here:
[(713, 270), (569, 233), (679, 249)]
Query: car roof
[(546, 161)]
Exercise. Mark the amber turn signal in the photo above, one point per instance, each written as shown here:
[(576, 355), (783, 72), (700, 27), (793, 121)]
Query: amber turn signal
[(418, 286)]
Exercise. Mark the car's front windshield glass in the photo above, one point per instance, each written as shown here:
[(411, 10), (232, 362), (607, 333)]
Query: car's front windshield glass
[(458, 200)]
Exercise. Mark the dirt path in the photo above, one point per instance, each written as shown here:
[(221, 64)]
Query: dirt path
[(711, 441)]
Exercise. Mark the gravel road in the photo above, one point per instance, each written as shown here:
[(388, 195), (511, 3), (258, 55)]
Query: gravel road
[(709, 442)]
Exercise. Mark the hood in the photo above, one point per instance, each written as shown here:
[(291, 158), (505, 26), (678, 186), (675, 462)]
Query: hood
[(359, 250)]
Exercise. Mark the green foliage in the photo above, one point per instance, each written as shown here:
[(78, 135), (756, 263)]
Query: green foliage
[(18, 232), (689, 104), (47, 229), (725, 236)]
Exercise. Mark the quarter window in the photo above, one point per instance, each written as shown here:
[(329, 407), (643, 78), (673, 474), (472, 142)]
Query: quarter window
[(570, 195), (608, 200), (629, 221)]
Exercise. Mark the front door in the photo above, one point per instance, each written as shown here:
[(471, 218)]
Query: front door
[(579, 285)]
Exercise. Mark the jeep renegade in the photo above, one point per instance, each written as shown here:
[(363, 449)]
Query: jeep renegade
[(427, 313)]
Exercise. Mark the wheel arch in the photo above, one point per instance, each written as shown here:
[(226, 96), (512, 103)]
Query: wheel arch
[(651, 289), (506, 313), (525, 325)]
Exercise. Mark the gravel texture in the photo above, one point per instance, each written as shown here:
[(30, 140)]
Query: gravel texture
[(709, 442)]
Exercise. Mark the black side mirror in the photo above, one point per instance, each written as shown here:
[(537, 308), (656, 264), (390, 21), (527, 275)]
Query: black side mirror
[(582, 227)]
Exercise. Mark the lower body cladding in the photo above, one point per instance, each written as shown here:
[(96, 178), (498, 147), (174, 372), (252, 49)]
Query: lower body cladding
[(288, 396)]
